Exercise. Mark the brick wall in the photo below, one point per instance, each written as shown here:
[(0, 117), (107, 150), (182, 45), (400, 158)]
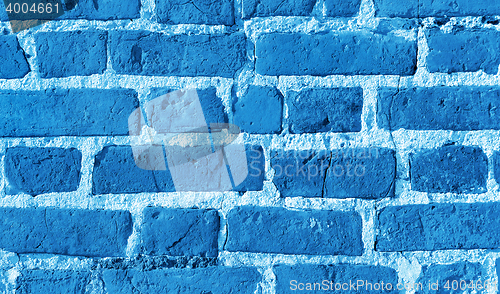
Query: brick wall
[(371, 130)]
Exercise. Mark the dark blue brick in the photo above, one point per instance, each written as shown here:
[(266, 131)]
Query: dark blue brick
[(66, 112), (42, 170), (259, 110), (115, 171), (52, 281), (438, 227), (456, 169), (449, 275), (367, 173), (426, 8), (220, 280), (311, 278), (263, 8), (211, 12), (448, 108), (101, 9), (334, 53), (146, 53), (65, 231), (278, 230), (463, 51), (342, 7), (256, 169), (324, 110), (300, 173), (496, 166), (12, 58), (180, 232), (77, 53)]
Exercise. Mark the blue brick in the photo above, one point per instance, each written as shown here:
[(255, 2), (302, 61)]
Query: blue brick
[(42, 170), (342, 7), (77, 53), (180, 232), (101, 9), (221, 280), (311, 278), (211, 12), (300, 173), (463, 51), (263, 8), (349, 53), (367, 173), (496, 166), (443, 108), (52, 281), (438, 227), (66, 112), (146, 53), (278, 230), (115, 171), (259, 110), (449, 275), (65, 231), (12, 58), (456, 169), (325, 110), (256, 169), (427, 8)]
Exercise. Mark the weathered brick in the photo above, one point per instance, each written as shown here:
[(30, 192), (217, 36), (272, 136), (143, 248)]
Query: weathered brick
[(342, 7), (101, 9), (278, 230), (367, 173), (146, 53), (65, 231), (42, 170), (263, 8), (313, 278), (115, 171), (12, 58), (449, 275), (443, 108), (463, 51), (66, 112), (221, 280), (325, 110), (438, 227), (456, 169), (259, 110), (211, 12), (52, 281), (256, 169), (180, 232), (496, 166), (359, 53), (77, 53), (427, 8)]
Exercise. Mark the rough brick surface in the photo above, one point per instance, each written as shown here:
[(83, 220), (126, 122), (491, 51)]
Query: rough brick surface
[(102, 9), (223, 280), (463, 51), (446, 275), (65, 231), (180, 232), (427, 8), (42, 170), (456, 169), (66, 112), (12, 59), (278, 230), (443, 108), (302, 278), (325, 110), (52, 281), (259, 110), (438, 227), (263, 8), (334, 53), (256, 169), (145, 53), (77, 53), (496, 166), (342, 7), (220, 12)]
